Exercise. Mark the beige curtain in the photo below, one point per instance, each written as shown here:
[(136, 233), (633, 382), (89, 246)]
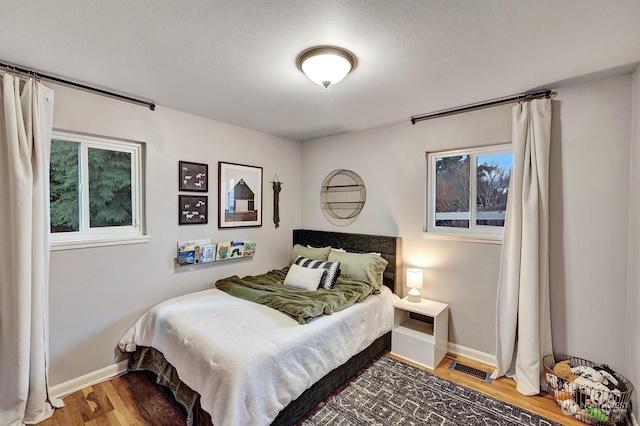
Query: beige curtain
[(26, 117), (523, 317)]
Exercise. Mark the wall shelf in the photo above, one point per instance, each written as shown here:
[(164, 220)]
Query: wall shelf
[(200, 252), (342, 196)]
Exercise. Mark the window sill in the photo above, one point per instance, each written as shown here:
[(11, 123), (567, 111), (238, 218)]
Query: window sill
[(481, 239), (93, 241)]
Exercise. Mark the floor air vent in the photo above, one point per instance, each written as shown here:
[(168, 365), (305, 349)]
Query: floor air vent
[(455, 365)]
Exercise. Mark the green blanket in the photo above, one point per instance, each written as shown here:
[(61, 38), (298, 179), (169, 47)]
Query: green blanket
[(268, 289)]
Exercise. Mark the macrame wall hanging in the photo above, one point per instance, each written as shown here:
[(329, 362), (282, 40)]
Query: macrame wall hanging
[(277, 187)]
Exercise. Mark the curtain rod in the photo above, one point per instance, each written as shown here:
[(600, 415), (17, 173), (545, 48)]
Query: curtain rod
[(545, 93), (36, 74)]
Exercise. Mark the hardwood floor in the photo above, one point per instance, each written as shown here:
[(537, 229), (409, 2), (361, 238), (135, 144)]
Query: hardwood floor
[(133, 399)]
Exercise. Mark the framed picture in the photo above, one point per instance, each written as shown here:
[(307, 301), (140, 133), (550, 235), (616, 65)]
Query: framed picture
[(192, 209), (239, 195), (193, 177)]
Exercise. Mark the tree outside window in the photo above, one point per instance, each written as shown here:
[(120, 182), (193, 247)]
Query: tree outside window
[(95, 187), (450, 187)]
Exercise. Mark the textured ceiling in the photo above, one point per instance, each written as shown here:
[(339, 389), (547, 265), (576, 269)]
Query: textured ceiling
[(234, 61)]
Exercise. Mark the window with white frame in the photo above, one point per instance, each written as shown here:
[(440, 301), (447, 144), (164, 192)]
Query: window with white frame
[(467, 192), (95, 191)]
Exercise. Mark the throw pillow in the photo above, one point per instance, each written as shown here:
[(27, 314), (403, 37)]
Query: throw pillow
[(332, 270), (303, 278), (361, 266), (319, 253)]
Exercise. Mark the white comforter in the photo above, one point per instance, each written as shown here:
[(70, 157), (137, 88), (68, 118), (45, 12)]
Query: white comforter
[(249, 361)]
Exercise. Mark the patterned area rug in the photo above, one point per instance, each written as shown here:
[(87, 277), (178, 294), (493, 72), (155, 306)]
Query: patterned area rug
[(390, 392)]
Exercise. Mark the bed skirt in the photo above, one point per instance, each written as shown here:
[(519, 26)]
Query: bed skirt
[(151, 360)]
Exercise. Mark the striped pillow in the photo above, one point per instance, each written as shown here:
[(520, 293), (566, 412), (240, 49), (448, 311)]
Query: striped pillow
[(329, 277)]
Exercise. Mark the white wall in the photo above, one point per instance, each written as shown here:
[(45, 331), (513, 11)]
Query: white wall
[(589, 212), (391, 161), (97, 293), (632, 351)]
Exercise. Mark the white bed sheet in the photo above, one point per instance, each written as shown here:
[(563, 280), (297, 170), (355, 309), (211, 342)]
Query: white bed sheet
[(249, 361)]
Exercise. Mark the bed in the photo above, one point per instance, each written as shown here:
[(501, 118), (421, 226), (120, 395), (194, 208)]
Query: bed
[(230, 361)]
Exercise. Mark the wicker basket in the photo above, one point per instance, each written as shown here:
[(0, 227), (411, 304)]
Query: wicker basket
[(588, 404)]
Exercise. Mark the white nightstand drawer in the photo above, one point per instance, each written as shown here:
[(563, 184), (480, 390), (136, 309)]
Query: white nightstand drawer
[(416, 350)]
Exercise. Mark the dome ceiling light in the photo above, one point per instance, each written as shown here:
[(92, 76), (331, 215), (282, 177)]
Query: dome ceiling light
[(326, 65)]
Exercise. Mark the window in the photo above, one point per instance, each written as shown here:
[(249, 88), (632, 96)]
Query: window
[(455, 178), (95, 191)]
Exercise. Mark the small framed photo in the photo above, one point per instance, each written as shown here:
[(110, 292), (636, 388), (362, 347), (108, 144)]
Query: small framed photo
[(192, 209), (193, 177), (239, 195)]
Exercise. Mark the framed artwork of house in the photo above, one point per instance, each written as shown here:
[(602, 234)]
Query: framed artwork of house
[(239, 195)]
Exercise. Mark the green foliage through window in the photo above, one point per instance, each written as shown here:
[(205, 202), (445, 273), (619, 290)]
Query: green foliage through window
[(64, 181), (105, 198), (109, 188)]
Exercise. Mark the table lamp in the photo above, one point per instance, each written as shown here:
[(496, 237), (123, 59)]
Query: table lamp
[(414, 282)]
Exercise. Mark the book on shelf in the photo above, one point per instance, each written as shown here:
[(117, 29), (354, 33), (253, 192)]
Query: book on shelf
[(249, 248), (189, 244), (207, 253), (223, 252), (236, 249), (187, 257)]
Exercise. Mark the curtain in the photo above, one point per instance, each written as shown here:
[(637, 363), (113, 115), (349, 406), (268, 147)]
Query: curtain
[(26, 117), (523, 315)]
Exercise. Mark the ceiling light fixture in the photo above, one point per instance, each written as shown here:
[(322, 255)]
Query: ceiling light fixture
[(326, 65)]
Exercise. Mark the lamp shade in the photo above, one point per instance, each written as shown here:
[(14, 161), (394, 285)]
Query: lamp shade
[(414, 278), (326, 65), (414, 282)]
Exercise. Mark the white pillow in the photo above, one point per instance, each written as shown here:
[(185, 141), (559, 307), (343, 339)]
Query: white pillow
[(303, 278), (341, 250)]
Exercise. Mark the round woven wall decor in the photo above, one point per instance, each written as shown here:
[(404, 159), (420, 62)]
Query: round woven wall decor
[(342, 196)]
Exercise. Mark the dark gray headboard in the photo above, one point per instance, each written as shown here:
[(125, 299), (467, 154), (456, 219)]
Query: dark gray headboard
[(389, 247)]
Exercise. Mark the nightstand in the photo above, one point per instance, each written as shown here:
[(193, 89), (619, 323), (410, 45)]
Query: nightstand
[(420, 331)]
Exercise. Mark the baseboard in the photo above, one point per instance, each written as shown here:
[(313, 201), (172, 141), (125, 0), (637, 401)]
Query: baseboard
[(104, 374), (472, 354)]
